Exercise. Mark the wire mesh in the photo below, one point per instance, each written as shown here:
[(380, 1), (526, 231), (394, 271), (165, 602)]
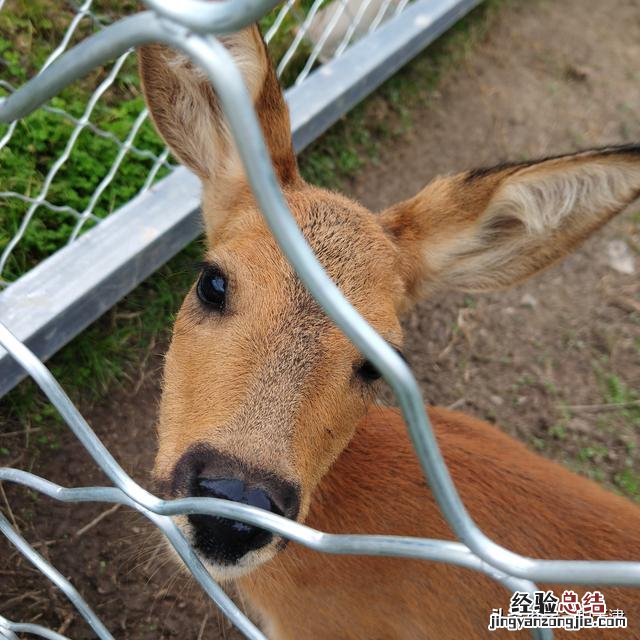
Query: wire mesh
[(474, 550), (63, 191)]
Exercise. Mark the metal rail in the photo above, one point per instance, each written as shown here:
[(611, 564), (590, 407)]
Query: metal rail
[(475, 550)]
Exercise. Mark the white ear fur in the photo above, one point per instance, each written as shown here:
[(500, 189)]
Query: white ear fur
[(545, 202), (189, 116), (487, 230), (183, 104)]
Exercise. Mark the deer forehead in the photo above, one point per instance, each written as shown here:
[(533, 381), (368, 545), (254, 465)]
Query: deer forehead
[(347, 239)]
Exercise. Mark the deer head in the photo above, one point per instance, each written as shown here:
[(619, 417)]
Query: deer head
[(261, 391)]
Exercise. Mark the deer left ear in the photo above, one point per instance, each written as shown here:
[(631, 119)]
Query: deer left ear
[(490, 228)]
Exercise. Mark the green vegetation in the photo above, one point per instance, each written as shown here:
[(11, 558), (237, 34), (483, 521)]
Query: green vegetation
[(622, 400), (114, 350), (621, 416), (30, 31), (628, 481), (617, 393)]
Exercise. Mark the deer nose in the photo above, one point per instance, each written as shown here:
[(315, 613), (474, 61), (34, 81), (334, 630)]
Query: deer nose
[(224, 540), (203, 471)]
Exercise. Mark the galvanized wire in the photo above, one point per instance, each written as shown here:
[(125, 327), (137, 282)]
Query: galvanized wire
[(290, 28), (475, 550)]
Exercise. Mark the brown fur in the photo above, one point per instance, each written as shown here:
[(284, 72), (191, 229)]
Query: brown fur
[(271, 382), (522, 501)]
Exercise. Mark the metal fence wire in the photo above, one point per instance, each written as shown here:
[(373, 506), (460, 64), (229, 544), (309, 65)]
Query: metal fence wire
[(52, 209), (191, 26)]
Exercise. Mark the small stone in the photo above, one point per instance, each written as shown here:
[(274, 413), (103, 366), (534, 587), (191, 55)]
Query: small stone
[(578, 73), (621, 258), (497, 400), (528, 300)]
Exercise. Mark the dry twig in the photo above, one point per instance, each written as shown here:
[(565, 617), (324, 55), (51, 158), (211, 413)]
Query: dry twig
[(202, 627), (601, 407), (96, 520), (9, 510)]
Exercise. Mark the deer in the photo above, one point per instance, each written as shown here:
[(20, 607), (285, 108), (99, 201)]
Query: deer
[(265, 402)]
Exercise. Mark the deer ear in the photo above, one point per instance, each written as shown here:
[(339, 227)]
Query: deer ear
[(187, 114), (491, 228)]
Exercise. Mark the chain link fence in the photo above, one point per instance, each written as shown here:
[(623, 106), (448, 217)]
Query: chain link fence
[(69, 192), (475, 550)]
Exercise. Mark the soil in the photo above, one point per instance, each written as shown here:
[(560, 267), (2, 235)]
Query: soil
[(546, 360)]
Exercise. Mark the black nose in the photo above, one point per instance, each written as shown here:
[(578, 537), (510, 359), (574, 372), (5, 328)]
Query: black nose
[(227, 540), (205, 472)]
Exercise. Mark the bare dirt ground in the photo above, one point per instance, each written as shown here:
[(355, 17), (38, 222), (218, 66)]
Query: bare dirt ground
[(555, 362)]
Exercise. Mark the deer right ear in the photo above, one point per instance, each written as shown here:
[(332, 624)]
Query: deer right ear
[(187, 114), (488, 229)]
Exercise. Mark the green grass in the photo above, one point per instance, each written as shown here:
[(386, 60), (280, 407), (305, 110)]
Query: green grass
[(621, 415), (628, 481), (30, 31), (623, 399), (112, 352), (617, 392), (29, 34)]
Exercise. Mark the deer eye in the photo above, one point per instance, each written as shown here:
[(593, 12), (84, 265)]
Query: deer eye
[(367, 372), (212, 288)]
